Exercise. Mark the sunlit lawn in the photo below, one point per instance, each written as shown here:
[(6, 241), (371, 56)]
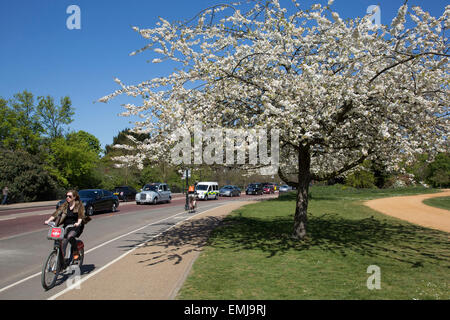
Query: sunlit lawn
[(440, 202), (251, 256)]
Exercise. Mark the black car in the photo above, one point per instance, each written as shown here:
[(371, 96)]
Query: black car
[(96, 200), (254, 188), (125, 193)]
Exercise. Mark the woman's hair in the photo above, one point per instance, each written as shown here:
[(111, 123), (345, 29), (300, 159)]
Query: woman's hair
[(75, 194)]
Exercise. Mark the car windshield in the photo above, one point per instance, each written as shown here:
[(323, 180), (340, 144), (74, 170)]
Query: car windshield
[(228, 187), (120, 189), (253, 186), (87, 193), (202, 187), (150, 188)]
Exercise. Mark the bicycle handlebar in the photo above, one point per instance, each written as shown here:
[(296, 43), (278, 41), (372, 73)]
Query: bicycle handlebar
[(53, 224)]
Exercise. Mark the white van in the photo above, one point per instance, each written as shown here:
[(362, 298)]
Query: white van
[(207, 190)]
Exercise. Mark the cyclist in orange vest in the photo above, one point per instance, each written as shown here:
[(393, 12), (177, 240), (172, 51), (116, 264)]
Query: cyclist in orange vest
[(192, 199)]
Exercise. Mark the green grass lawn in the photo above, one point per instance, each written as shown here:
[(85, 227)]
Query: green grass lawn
[(440, 202), (251, 255)]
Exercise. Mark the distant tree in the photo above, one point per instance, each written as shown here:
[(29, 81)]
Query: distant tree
[(26, 178), (72, 160), (123, 139), (19, 124), (83, 136), (439, 171), (435, 173), (419, 168), (361, 178), (53, 118), (114, 173), (8, 124)]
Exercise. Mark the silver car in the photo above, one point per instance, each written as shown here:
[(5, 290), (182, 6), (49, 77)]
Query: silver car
[(285, 188), (229, 191), (154, 193)]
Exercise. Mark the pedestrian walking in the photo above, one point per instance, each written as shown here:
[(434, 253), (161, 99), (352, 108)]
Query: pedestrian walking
[(5, 195)]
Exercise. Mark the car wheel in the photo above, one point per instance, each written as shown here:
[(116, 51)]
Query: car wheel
[(138, 203), (114, 207), (155, 200), (90, 210), (170, 199)]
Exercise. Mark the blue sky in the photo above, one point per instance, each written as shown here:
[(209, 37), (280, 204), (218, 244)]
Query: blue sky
[(40, 54)]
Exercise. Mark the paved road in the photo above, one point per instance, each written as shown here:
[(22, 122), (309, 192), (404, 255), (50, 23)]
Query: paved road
[(21, 221), (23, 243)]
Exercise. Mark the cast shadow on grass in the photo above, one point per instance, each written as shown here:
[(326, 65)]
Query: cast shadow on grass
[(367, 237), (406, 243)]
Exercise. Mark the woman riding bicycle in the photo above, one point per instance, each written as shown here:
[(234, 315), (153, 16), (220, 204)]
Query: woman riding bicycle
[(192, 197), (70, 213)]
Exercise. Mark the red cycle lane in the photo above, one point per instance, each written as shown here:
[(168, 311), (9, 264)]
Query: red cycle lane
[(9, 212), (11, 225)]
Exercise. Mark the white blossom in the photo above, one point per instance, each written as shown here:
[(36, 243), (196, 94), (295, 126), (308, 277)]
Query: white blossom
[(341, 90)]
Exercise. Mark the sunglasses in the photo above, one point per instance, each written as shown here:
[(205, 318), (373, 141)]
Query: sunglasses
[(69, 196)]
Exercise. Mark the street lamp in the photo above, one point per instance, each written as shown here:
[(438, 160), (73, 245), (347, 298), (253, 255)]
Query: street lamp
[(187, 173)]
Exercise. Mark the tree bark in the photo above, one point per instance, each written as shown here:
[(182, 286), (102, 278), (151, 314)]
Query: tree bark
[(304, 178)]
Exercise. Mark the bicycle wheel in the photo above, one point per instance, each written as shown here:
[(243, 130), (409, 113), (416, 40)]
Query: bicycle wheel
[(50, 271)]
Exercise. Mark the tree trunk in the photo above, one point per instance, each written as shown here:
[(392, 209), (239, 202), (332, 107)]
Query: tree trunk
[(300, 218)]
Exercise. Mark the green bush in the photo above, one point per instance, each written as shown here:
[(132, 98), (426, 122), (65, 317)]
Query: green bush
[(435, 173), (26, 178), (439, 171), (361, 179)]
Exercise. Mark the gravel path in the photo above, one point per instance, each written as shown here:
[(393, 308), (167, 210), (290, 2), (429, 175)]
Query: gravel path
[(412, 209)]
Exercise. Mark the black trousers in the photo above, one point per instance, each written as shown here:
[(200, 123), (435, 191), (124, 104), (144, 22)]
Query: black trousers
[(71, 237)]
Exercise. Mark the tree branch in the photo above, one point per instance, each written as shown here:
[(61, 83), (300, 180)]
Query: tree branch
[(406, 60), (286, 179), (342, 170)]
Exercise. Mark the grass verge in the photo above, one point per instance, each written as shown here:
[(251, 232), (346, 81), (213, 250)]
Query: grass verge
[(440, 202), (251, 255)]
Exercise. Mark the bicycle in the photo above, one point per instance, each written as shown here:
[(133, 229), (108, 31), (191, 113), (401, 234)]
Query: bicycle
[(55, 262)]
